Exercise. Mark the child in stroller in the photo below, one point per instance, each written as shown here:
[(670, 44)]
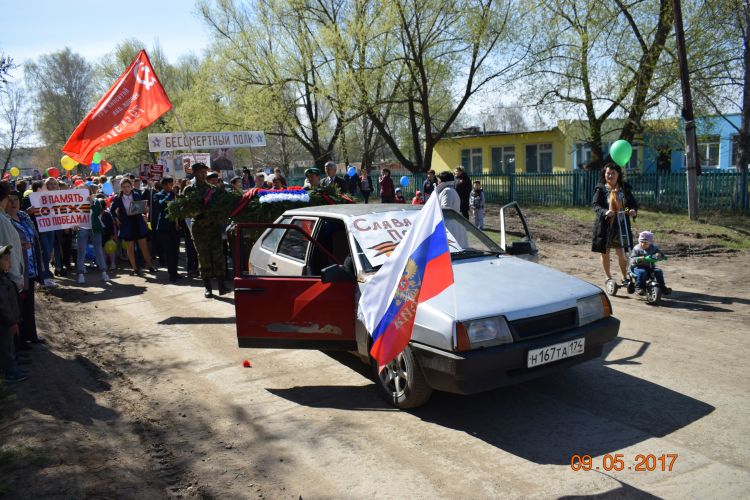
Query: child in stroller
[(642, 265)]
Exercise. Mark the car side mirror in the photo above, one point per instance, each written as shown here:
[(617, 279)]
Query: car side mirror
[(336, 273), (518, 248)]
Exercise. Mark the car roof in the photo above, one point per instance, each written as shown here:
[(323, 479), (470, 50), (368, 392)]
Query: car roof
[(351, 210)]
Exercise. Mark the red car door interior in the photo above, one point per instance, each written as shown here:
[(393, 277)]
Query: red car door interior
[(297, 312)]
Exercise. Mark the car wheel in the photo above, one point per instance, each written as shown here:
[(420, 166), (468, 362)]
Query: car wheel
[(401, 382)]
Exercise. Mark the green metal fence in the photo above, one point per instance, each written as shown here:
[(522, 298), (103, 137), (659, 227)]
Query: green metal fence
[(717, 190), (725, 191)]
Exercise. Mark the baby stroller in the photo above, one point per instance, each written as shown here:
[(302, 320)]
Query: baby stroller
[(623, 235), (653, 290)]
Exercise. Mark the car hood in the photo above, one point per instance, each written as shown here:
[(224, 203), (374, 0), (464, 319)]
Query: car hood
[(509, 286), (502, 286)]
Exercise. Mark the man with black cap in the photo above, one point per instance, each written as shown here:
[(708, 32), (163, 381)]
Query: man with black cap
[(207, 236), (312, 178)]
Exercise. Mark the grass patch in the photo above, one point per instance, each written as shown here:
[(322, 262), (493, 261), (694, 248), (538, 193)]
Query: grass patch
[(725, 230), (12, 457)]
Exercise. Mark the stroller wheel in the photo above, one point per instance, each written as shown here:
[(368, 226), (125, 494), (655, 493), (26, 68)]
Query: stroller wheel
[(653, 294), (611, 287), (631, 288)]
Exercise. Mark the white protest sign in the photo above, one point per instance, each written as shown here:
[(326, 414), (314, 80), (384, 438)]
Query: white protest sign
[(178, 141), (62, 209), (380, 233)]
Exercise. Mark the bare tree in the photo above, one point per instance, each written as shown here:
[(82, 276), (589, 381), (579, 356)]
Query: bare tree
[(600, 59), (504, 118), (272, 45), (6, 65), (63, 87), (15, 128), (645, 93), (442, 45), (721, 80)]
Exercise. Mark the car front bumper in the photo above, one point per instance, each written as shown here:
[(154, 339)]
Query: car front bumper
[(489, 368)]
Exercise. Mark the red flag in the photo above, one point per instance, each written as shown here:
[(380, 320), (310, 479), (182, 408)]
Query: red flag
[(104, 167), (133, 103)]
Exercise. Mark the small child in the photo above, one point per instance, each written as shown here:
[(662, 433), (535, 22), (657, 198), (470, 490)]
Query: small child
[(10, 317), (399, 196), (476, 202), (417, 200), (641, 263), (108, 232)]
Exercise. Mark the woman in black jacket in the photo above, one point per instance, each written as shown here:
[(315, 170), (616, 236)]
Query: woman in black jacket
[(611, 196)]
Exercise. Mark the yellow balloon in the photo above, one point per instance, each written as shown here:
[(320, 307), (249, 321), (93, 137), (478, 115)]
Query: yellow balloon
[(14, 171), (68, 163)]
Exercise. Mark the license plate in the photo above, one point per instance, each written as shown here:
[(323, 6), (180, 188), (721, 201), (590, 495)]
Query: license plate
[(555, 352)]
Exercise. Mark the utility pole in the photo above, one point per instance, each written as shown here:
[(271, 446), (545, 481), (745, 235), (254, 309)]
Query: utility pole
[(691, 155)]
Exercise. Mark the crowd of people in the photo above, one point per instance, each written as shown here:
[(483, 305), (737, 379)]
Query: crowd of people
[(130, 227)]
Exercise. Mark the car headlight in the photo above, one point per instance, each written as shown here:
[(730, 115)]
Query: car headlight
[(593, 308), (482, 333)]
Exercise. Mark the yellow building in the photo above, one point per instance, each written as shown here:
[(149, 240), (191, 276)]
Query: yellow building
[(537, 151)]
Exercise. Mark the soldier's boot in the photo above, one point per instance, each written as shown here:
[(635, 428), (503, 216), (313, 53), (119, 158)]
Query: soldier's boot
[(208, 293), (223, 290)]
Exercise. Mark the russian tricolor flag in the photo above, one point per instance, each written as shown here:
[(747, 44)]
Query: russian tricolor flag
[(418, 269)]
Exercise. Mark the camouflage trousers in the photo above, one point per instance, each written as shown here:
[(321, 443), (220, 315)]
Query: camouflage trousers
[(208, 244)]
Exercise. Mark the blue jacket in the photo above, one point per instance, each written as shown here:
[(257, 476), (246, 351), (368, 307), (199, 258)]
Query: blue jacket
[(161, 200)]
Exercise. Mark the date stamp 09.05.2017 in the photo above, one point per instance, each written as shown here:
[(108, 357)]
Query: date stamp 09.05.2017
[(643, 462)]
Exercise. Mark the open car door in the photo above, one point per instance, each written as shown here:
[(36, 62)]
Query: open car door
[(515, 237), (302, 311)]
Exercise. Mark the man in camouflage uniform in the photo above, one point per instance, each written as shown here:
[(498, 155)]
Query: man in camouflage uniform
[(207, 236)]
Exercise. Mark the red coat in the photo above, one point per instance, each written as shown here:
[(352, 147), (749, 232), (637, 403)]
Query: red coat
[(386, 188)]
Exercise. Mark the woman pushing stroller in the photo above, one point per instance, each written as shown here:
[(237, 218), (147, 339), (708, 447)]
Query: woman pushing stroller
[(614, 205)]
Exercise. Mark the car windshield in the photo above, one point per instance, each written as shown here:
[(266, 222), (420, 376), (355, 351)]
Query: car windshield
[(464, 241)]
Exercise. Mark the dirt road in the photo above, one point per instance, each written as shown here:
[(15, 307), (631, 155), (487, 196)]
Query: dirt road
[(141, 393)]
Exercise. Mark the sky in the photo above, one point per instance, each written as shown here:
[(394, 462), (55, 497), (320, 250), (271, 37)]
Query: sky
[(31, 28)]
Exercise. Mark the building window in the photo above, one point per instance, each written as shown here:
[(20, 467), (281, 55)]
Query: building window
[(504, 160), (471, 160), (538, 158), (708, 151)]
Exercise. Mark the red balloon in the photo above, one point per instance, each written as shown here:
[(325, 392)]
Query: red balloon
[(53, 172)]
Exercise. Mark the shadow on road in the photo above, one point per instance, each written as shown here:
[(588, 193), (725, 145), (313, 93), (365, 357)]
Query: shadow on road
[(623, 491), (632, 359), (196, 320), (693, 301), (103, 291), (590, 409)]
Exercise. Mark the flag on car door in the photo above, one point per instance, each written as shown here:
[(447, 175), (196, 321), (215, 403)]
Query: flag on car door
[(133, 103), (418, 269)]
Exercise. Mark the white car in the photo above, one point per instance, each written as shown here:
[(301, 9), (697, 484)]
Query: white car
[(506, 320)]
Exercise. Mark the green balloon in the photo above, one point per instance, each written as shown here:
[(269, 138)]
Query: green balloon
[(97, 157), (621, 152)]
